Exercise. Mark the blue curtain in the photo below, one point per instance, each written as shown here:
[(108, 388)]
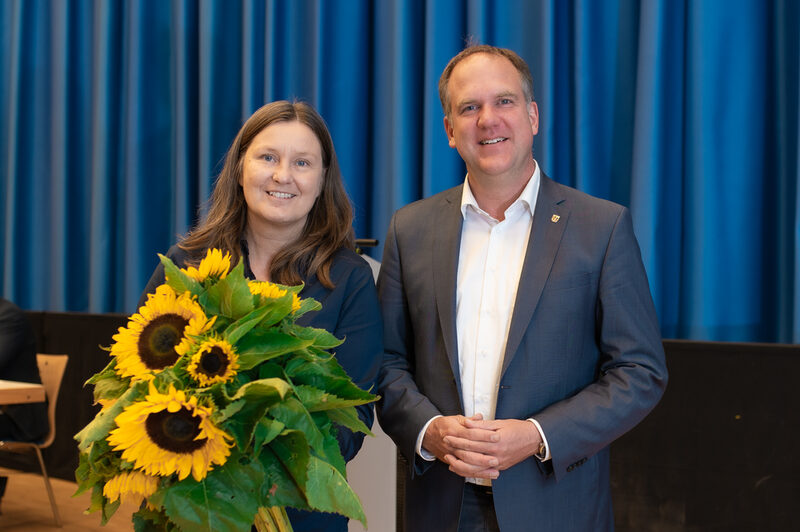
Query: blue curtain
[(115, 116)]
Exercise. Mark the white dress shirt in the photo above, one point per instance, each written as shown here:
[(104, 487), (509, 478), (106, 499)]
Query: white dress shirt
[(489, 266)]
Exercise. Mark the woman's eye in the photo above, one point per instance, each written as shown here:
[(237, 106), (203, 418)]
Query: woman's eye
[(269, 158), (303, 163)]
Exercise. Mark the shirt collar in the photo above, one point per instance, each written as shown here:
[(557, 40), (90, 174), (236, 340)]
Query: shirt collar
[(527, 197)]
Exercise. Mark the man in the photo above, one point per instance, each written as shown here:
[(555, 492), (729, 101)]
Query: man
[(520, 334), (18, 363)]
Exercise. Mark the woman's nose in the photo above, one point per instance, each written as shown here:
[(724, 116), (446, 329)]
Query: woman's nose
[(281, 174)]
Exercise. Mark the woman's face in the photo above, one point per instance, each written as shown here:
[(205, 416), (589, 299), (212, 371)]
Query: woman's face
[(282, 178)]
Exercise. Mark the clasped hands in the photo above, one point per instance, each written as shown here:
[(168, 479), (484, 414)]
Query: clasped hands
[(478, 448)]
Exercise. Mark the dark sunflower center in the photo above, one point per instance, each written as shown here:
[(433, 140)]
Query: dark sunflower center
[(175, 431), (214, 361), (158, 340)]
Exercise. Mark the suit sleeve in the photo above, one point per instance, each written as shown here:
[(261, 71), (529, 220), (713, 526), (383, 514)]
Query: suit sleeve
[(632, 371), (403, 410)]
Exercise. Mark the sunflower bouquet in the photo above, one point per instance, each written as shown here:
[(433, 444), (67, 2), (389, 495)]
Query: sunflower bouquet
[(218, 409)]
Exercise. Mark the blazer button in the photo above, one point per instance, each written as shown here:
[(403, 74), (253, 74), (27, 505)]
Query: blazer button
[(570, 468)]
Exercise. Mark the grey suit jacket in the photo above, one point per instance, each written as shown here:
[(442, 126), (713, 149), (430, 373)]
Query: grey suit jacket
[(583, 357)]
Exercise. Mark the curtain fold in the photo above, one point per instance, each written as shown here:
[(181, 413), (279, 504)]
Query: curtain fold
[(115, 118)]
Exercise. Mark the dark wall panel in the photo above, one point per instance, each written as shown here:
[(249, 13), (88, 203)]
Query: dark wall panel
[(720, 450)]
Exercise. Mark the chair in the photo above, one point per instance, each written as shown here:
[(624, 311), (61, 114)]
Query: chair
[(51, 371)]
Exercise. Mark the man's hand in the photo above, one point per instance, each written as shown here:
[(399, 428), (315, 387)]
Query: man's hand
[(466, 463), (513, 441)]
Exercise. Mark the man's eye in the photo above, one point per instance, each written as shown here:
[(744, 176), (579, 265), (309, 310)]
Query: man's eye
[(468, 108), (506, 101)]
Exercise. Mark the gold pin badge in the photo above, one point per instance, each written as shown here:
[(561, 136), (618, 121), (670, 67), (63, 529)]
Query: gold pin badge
[(555, 218)]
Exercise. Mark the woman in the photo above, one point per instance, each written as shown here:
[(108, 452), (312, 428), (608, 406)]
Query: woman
[(280, 204)]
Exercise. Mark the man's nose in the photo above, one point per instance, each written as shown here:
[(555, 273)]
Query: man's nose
[(487, 116)]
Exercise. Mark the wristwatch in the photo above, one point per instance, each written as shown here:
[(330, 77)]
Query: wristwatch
[(541, 454)]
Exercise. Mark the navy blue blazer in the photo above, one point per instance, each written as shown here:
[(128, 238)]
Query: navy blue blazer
[(349, 311), (583, 357)]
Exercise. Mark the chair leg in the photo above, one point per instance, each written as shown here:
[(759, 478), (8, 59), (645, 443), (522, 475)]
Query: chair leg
[(49, 488)]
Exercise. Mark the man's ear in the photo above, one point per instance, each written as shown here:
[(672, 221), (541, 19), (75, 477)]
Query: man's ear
[(533, 114), (448, 128)]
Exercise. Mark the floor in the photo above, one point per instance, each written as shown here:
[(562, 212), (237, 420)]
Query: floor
[(25, 507)]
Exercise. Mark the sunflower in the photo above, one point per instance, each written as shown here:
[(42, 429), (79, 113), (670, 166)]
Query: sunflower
[(214, 361), (170, 433), (159, 334), (214, 266), (130, 486), (272, 291)]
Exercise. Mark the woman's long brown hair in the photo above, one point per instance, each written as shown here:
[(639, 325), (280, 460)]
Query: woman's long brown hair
[(329, 224)]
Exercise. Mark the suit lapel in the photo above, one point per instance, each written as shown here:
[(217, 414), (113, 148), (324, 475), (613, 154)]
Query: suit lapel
[(549, 221), (446, 247)]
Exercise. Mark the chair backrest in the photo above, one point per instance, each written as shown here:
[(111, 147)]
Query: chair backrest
[(51, 371)]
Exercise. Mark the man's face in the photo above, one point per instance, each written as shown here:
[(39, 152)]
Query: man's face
[(490, 122)]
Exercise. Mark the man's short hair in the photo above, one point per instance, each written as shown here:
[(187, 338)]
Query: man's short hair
[(522, 67)]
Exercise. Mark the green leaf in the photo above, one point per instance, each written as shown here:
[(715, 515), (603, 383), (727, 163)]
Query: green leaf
[(316, 400), (327, 490), (293, 414), (326, 375), (266, 431), (177, 280), (104, 373), (306, 305), (230, 296), (285, 463), (249, 405), (279, 308), (270, 370), (147, 520), (319, 337), (332, 454), (108, 508), (103, 422), (226, 500), (260, 345), (110, 387), (348, 417), (263, 389), (98, 503), (242, 326)]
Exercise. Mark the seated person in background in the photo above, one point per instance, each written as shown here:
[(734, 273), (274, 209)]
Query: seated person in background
[(279, 203), (18, 363)]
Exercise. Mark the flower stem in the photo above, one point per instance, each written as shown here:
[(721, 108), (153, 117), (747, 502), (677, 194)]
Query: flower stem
[(272, 519)]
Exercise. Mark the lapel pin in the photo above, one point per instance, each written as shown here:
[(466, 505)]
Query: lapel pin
[(555, 218)]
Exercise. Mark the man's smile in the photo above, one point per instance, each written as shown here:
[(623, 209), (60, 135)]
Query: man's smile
[(493, 141)]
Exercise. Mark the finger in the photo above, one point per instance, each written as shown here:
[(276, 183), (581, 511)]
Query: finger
[(467, 444), (485, 424), (463, 420), (484, 461), (464, 469), (478, 435)]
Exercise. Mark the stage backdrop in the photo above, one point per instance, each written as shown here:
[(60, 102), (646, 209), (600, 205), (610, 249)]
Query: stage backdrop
[(114, 118)]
